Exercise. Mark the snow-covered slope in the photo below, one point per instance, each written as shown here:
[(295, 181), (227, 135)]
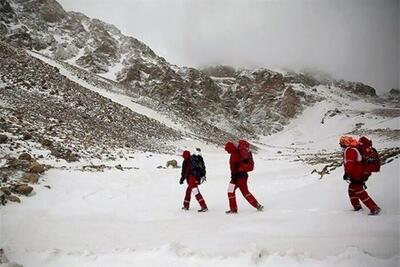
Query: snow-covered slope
[(133, 217), (320, 126)]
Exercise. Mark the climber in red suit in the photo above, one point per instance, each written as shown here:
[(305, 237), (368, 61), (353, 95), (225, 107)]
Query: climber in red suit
[(192, 182), (354, 171), (238, 180)]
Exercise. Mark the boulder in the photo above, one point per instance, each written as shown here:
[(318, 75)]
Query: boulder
[(46, 142), (23, 189), (3, 139), (71, 157), (173, 163), (27, 136), (6, 190), (36, 168), (32, 178), (25, 156), (18, 164), (66, 154), (13, 198)]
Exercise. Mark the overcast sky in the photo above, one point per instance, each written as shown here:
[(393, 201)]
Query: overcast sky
[(356, 40)]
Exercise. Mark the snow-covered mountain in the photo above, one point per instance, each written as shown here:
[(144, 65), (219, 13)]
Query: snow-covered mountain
[(212, 102)]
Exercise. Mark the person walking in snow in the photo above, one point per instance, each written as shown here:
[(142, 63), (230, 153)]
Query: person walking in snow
[(239, 178), (355, 171), (191, 173)]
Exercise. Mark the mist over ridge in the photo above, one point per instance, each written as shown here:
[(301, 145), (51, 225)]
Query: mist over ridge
[(353, 40)]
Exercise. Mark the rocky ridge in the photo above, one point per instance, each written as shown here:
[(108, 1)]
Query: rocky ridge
[(63, 116), (212, 101)]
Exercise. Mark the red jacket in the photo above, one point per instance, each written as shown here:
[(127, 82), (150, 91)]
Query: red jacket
[(234, 161), (186, 165), (353, 165)]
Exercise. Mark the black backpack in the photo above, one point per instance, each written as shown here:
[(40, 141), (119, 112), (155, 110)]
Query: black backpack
[(198, 167)]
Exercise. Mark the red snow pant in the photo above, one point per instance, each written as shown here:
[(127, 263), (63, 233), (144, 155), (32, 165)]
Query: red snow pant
[(357, 193), (240, 183), (192, 188)]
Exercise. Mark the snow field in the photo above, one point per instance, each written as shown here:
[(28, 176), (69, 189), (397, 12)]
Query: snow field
[(308, 133), (133, 217)]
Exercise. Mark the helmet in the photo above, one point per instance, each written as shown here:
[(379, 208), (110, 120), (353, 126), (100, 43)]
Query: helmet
[(347, 140)]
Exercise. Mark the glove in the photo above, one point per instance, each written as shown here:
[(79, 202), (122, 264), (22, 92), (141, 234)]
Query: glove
[(181, 181), (370, 160), (345, 176)]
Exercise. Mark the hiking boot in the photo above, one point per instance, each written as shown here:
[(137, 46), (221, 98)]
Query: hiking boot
[(203, 209), (375, 211), (260, 207), (231, 211), (357, 208), (185, 208)]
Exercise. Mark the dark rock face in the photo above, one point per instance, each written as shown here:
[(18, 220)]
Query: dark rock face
[(356, 88), (220, 71), (290, 103), (308, 80)]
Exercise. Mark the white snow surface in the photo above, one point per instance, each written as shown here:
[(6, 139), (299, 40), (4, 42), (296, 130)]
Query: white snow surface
[(134, 217), (306, 132)]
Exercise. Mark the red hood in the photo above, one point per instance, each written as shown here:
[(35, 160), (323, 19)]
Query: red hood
[(243, 144), (364, 142), (186, 155), (230, 147)]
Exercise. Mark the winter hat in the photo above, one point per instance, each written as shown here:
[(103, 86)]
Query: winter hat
[(230, 147), (186, 154)]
